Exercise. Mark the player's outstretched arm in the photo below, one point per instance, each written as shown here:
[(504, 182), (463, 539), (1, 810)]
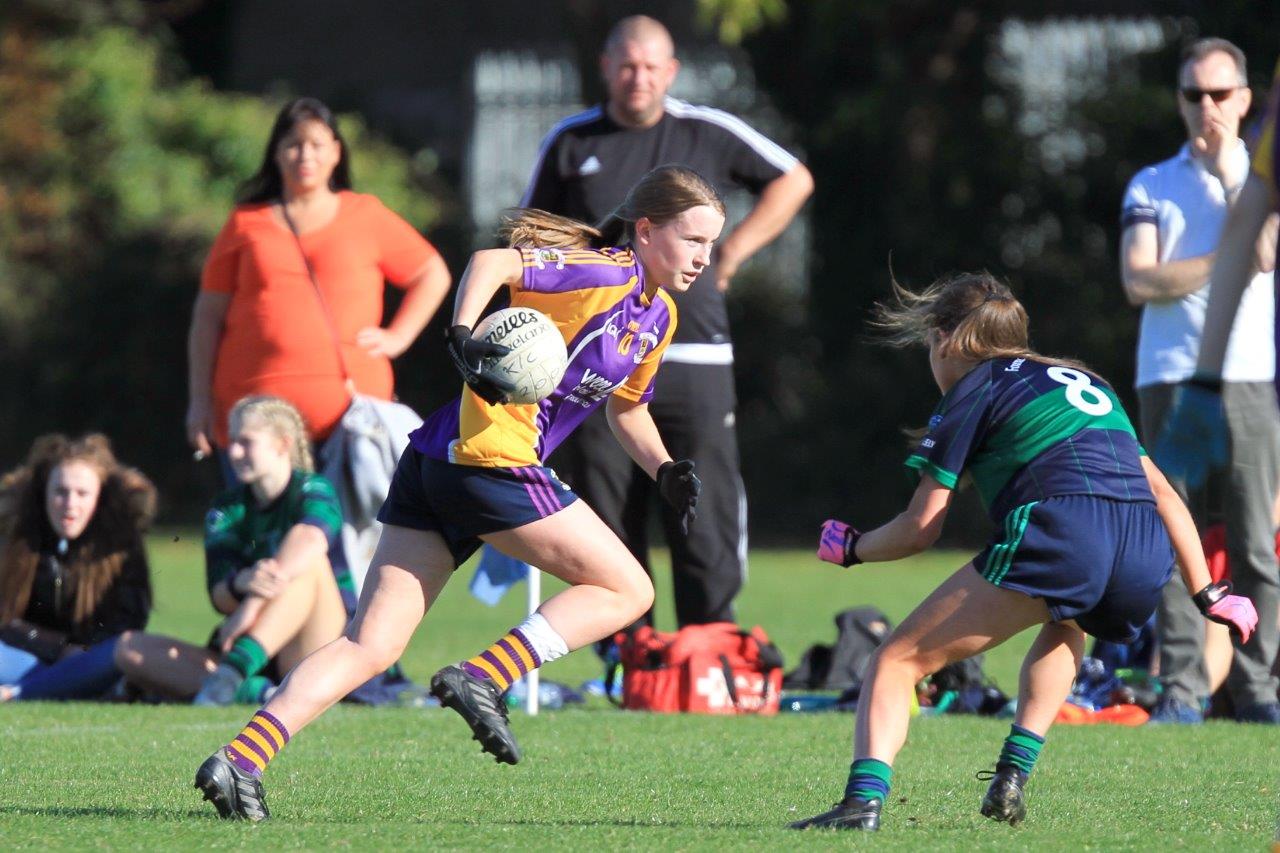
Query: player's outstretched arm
[(1214, 600), (914, 530), (1182, 529), (1194, 438), (635, 430), (488, 270), (1233, 269)]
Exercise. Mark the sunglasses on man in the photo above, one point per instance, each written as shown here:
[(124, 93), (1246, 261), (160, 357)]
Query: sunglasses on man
[(1193, 96)]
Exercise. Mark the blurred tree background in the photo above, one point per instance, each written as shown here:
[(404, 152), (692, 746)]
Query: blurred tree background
[(116, 171), (928, 162), (117, 167)]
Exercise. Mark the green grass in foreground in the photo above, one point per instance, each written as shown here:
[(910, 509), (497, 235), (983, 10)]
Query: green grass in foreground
[(81, 775)]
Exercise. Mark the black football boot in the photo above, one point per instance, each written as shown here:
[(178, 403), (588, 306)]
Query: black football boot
[(1005, 800), (849, 813), (481, 704), (237, 795)]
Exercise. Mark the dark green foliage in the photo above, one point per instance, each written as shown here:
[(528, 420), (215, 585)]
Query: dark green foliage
[(923, 169), (117, 173)]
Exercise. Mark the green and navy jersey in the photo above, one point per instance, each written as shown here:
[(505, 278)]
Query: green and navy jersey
[(238, 532), (1026, 431)]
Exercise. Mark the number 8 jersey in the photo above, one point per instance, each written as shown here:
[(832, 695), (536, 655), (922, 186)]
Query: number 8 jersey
[(1026, 431)]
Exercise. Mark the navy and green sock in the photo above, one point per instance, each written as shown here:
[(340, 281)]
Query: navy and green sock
[(1021, 749), (868, 780), (247, 656), (254, 690)]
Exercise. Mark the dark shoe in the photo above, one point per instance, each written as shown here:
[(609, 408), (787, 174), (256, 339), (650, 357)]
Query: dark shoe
[(849, 813), (1170, 710), (480, 703), (1262, 712), (236, 794), (1005, 800)]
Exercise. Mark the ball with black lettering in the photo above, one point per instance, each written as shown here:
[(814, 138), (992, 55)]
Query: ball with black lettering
[(538, 356)]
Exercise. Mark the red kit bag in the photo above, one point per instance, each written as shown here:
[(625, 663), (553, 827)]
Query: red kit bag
[(702, 669)]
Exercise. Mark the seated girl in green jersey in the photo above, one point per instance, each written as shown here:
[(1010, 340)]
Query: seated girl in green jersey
[(268, 569), (1087, 529)]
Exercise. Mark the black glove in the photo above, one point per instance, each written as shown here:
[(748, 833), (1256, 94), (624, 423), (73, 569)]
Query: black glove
[(680, 487), (468, 356)]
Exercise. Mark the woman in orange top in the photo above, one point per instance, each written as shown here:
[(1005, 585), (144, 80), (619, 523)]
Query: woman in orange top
[(258, 326)]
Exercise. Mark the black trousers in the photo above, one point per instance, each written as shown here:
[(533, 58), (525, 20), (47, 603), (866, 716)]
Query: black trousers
[(693, 406)]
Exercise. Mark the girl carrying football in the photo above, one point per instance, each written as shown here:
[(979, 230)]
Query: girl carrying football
[(473, 472), (1088, 530)]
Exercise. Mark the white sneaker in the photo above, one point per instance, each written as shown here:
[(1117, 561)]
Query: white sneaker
[(219, 687)]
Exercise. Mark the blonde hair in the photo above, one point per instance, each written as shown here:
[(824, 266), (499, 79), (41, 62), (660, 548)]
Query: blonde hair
[(533, 228), (660, 196), (279, 416)]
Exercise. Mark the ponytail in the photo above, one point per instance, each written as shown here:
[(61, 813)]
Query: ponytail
[(660, 196), (978, 312), (530, 227)]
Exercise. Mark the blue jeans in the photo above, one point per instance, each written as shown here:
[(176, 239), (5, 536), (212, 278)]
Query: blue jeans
[(85, 675)]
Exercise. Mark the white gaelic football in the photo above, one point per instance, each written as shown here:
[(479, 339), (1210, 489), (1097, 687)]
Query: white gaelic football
[(538, 356)]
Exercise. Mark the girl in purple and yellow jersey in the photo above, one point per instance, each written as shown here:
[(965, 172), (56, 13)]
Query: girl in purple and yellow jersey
[(474, 472)]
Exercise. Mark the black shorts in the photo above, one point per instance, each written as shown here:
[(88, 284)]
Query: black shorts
[(464, 502), (1098, 561)]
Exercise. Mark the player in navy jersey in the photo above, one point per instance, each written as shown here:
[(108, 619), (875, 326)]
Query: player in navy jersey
[(474, 471), (1087, 533)]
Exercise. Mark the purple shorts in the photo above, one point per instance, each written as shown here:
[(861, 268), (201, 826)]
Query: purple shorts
[(464, 502)]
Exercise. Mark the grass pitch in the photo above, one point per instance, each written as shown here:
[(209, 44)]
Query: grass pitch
[(94, 776)]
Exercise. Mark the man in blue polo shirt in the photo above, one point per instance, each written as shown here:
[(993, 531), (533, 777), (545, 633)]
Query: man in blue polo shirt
[(1172, 218)]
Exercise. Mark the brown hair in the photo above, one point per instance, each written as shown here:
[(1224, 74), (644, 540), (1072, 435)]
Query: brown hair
[(126, 506), (267, 184), (979, 313), (660, 196), (279, 416)]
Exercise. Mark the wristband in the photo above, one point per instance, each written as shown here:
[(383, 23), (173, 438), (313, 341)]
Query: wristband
[(1211, 595), (851, 548)]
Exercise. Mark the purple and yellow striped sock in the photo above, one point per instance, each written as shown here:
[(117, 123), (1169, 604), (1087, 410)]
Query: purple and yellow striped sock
[(506, 661), (257, 743)]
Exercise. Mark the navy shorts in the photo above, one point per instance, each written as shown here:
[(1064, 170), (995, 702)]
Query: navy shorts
[(464, 502), (1098, 561)]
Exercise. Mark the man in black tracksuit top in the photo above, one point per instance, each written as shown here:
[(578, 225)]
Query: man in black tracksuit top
[(585, 167)]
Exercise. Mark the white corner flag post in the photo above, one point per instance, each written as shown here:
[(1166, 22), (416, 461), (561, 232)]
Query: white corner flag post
[(531, 680)]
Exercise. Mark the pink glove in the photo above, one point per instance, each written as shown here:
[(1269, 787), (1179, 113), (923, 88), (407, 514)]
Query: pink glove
[(1235, 611), (836, 543)]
